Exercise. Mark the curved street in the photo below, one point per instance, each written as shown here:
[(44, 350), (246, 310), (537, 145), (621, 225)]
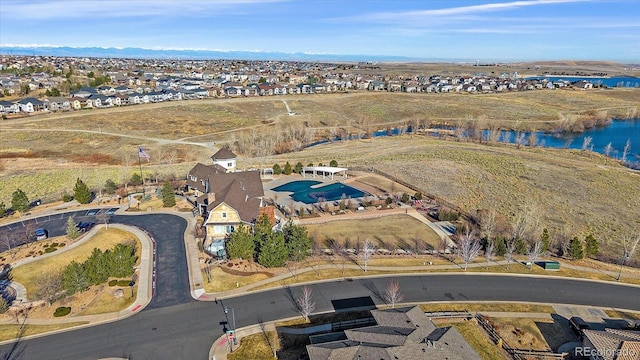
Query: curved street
[(175, 326)]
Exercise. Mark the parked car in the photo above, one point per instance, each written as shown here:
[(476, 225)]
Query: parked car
[(41, 234), (85, 226)]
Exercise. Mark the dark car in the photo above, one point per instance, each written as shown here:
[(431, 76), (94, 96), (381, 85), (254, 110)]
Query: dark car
[(85, 226), (41, 234)]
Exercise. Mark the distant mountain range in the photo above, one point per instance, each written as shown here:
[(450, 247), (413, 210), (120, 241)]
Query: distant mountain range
[(142, 53)]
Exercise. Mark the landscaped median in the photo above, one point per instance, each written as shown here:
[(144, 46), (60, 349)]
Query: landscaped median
[(52, 305)]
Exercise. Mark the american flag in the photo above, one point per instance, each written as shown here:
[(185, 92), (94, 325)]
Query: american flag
[(143, 154)]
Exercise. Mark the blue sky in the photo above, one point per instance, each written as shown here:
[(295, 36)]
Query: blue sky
[(485, 30)]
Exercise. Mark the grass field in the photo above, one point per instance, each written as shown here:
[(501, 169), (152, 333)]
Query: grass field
[(398, 231), (478, 340), (27, 274)]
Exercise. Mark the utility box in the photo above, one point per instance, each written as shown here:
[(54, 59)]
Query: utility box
[(550, 265)]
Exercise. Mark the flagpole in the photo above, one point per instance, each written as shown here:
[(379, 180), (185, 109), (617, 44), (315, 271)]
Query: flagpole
[(141, 178)]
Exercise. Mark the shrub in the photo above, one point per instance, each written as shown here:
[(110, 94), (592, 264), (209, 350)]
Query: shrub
[(66, 197), (123, 282), (62, 245), (4, 305), (50, 250), (62, 311), (113, 282)]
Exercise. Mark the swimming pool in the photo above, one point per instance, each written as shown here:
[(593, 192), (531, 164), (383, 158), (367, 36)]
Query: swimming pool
[(302, 191)]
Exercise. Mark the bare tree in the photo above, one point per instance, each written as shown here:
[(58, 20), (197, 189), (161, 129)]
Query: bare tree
[(488, 224), (629, 245), (392, 294), (367, 252), (607, 150), (533, 138), (586, 143), (305, 303), (534, 252), (469, 246), (511, 251), (488, 252), (625, 151), (520, 139), (104, 218), (48, 286)]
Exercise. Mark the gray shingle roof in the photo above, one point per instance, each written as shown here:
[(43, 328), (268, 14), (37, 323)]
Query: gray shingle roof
[(401, 334)]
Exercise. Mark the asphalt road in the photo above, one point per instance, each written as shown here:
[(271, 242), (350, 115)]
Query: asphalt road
[(177, 327)]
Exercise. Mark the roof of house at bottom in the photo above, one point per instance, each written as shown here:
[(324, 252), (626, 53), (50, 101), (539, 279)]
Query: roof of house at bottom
[(614, 344), (400, 334)]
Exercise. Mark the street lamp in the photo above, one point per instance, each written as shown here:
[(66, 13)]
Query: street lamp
[(625, 257), (233, 328), (131, 286)]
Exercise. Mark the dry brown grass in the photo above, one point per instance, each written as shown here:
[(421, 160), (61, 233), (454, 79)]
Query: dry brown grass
[(397, 231), (488, 307), (9, 332), (256, 347)]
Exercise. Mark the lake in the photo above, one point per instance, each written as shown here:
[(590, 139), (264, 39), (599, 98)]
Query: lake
[(621, 81)]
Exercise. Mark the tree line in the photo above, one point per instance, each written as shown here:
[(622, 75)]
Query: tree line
[(82, 194)]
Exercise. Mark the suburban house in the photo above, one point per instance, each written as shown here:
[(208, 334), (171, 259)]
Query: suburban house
[(7, 107), (225, 199), (58, 103), (30, 105), (225, 158), (611, 344), (402, 333)]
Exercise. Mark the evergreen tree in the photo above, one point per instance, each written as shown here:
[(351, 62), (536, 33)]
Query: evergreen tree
[(591, 248), (241, 244), (545, 238), (72, 229), (97, 267), (287, 169), (74, 278), (3, 209), (277, 170), (273, 252), (521, 247), (81, 192), (110, 187), (576, 251), (122, 259), (168, 195), (500, 248), (20, 201), (297, 240), (298, 168), (333, 163), (136, 179), (261, 230)]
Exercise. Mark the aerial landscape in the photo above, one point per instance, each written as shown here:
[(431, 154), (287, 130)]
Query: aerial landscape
[(315, 180)]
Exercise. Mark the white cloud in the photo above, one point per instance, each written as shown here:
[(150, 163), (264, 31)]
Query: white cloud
[(61, 9), (452, 12)]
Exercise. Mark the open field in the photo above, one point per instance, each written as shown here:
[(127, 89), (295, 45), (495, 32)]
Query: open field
[(389, 232)]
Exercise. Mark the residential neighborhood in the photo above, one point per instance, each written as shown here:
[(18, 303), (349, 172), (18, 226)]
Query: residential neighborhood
[(125, 82)]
